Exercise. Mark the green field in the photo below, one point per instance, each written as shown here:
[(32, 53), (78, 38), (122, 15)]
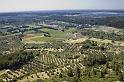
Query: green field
[(56, 35)]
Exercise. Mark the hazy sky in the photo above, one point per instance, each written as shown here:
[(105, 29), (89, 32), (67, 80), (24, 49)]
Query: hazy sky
[(27, 5)]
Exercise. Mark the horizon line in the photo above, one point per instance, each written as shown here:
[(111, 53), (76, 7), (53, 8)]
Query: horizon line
[(22, 11)]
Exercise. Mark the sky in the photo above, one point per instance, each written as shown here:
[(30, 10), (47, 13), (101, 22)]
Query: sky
[(29, 5)]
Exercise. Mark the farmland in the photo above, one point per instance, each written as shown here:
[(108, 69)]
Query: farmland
[(55, 54), (54, 48), (55, 35)]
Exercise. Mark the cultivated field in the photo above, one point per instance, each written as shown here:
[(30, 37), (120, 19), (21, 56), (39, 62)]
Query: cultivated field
[(55, 35)]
